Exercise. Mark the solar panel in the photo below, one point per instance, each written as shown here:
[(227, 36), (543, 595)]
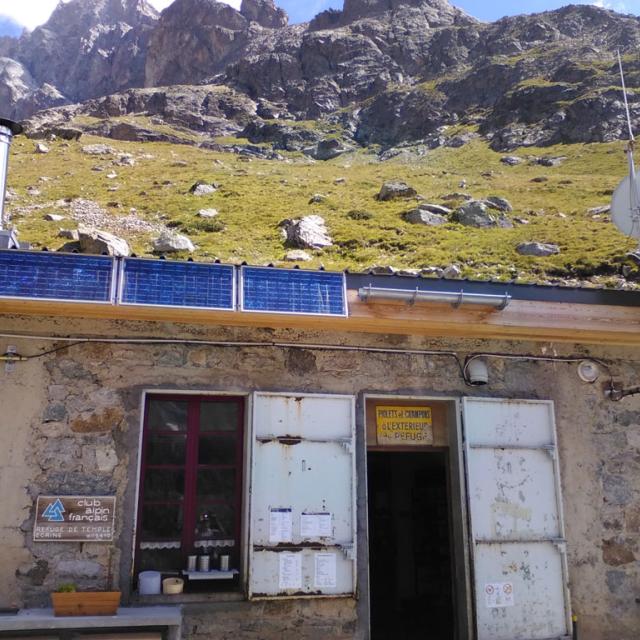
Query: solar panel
[(56, 276), (177, 284), (266, 289)]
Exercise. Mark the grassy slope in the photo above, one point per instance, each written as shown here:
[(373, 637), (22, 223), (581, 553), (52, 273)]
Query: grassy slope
[(255, 196)]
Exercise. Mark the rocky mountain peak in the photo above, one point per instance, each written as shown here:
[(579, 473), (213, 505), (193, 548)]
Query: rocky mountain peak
[(78, 16), (204, 13), (438, 12), (265, 13)]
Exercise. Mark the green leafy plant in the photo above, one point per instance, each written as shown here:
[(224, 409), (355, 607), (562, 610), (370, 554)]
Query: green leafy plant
[(66, 587)]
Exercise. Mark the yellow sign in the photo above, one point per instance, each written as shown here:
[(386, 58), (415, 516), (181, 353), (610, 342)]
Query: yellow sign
[(404, 425)]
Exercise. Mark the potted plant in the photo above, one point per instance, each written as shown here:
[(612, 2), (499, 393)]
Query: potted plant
[(68, 601)]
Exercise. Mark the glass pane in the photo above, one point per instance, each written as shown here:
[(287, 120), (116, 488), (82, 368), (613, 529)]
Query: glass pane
[(215, 522), (217, 450), (217, 484), (219, 416), (167, 415), (166, 449), (161, 560), (162, 522), (164, 484)]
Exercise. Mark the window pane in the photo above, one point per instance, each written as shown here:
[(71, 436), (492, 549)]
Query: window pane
[(164, 484), (166, 449), (219, 416), (215, 522), (161, 560), (167, 415), (217, 450), (217, 484), (162, 522)]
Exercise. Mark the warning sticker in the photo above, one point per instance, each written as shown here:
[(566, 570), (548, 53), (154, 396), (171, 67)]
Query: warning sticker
[(498, 595), (404, 426)]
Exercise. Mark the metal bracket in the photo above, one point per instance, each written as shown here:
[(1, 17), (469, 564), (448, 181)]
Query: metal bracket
[(505, 303), (560, 544), (10, 364), (348, 550), (347, 445)]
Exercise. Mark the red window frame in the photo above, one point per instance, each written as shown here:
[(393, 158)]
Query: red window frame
[(191, 467)]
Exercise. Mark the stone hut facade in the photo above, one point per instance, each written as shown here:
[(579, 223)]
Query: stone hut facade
[(77, 406)]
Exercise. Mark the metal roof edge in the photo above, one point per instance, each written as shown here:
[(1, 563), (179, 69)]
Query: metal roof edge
[(528, 292)]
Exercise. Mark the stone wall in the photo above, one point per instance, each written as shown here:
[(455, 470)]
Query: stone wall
[(71, 423)]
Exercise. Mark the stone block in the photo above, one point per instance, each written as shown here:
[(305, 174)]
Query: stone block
[(632, 519), (616, 553), (54, 413), (616, 489), (300, 362), (106, 459), (72, 370), (78, 569), (627, 418), (617, 581), (197, 357), (633, 438), (58, 392), (173, 356), (75, 482), (108, 420), (35, 572)]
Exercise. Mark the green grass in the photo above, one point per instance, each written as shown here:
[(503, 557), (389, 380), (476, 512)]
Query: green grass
[(255, 196)]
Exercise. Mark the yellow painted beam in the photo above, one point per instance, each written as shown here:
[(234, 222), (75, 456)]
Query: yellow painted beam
[(521, 320)]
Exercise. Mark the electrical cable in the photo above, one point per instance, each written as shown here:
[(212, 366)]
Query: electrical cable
[(508, 356), (462, 366), (72, 342)]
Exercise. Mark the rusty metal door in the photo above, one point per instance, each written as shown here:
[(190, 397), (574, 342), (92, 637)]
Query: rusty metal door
[(302, 512), (517, 529)]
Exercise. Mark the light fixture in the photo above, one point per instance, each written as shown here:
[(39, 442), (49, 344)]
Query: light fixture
[(588, 371), (477, 372)]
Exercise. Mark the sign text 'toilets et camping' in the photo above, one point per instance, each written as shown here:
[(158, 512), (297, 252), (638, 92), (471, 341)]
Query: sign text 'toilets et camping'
[(405, 426)]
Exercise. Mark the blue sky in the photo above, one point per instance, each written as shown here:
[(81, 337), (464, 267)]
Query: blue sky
[(31, 13)]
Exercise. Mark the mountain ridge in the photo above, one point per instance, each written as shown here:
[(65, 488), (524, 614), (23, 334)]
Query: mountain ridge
[(423, 59)]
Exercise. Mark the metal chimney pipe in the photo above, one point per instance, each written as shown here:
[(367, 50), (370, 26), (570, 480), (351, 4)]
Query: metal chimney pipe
[(8, 129)]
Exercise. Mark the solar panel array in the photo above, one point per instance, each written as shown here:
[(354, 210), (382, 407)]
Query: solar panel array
[(55, 276), (177, 284), (273, 290), (83, 278)]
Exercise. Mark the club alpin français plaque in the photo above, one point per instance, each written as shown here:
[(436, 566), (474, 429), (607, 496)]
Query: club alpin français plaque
[(74, 519)]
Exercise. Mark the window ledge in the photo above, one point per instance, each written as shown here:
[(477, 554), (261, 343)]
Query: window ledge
[(188, 598)]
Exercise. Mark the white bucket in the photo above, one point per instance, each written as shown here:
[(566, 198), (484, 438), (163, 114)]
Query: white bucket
[(149, 583)]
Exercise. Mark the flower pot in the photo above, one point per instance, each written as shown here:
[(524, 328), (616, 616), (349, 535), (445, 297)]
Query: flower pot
[(86, 603)]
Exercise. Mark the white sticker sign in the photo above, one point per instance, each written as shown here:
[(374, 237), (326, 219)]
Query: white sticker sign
[(290, 574), (498, 595), (280, 526), (315, 525), (325, 570)]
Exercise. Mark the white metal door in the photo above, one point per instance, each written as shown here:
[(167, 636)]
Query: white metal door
[(303, 529), (517, 529)]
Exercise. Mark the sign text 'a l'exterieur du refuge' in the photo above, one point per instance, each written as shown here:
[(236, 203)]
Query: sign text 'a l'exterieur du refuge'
[(404, 426), (74, 519)]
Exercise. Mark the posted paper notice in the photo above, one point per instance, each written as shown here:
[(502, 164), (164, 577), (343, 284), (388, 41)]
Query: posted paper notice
[(290, 571), (280, 526), (316, 525), (325, 570)]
